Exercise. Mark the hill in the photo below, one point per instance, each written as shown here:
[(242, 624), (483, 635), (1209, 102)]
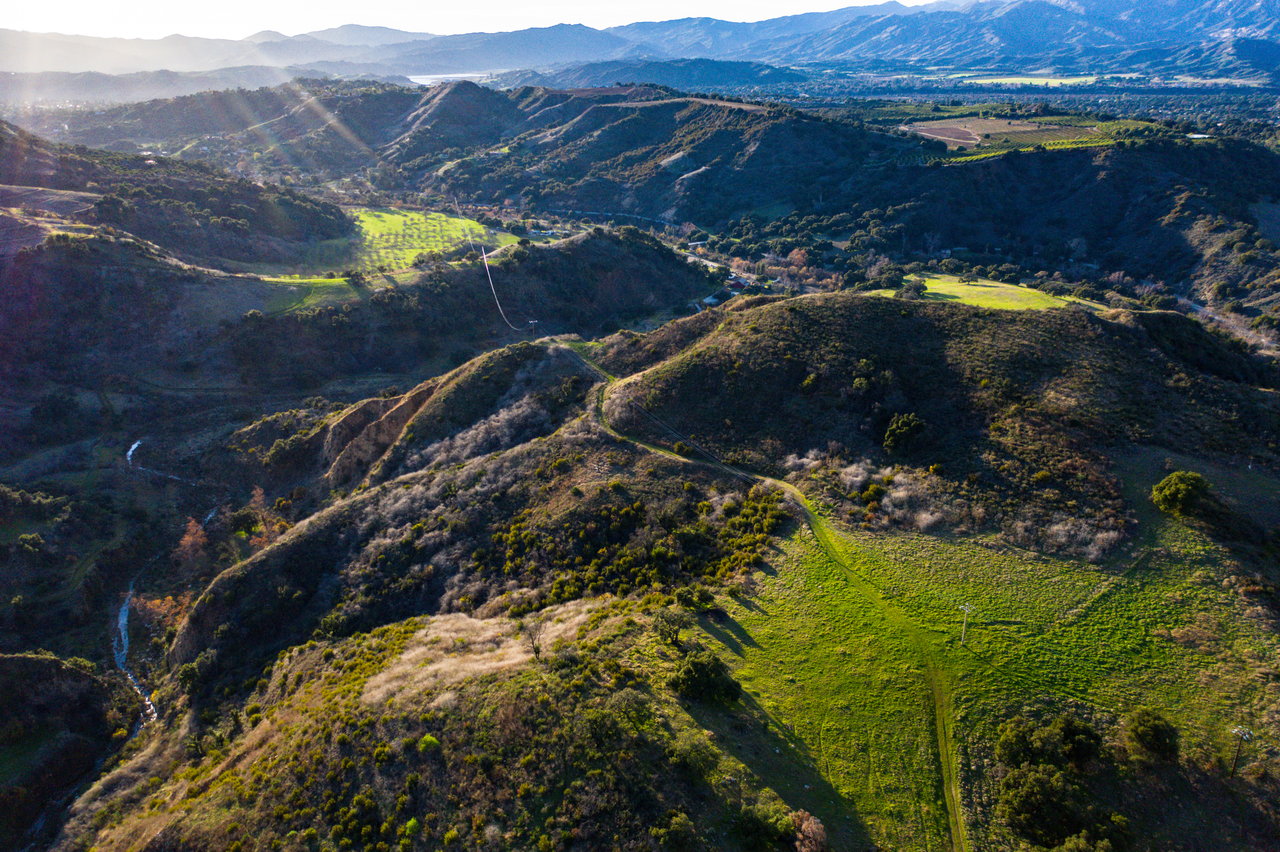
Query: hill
[(200, 212), (557, 45), (1112, 198), (636, 150), (1178, 38), (497, 602)]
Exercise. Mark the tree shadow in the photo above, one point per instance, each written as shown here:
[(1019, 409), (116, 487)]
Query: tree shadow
[(780, 758), (726, 629)]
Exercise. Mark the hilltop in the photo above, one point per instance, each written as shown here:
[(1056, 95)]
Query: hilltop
[(635, 150)]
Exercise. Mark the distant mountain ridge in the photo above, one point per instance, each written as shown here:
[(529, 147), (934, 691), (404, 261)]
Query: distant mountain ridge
[(686, 74), (1224, 38)]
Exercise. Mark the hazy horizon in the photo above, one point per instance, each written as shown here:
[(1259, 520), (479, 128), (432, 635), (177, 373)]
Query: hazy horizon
[(238, 19)]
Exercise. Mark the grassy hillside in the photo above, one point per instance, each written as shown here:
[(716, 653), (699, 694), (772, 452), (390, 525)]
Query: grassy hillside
[(988, 294)]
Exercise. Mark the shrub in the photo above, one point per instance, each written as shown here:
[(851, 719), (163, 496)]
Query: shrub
[(1149, 734), (903, 429), (1180, 493), (693, 754)]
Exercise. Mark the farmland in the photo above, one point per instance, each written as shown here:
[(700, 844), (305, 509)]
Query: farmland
[(1028, 80), (974, 132), (975, 137), (389, 239)]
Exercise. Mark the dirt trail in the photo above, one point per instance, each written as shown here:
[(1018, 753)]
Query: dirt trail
[(831, 540)]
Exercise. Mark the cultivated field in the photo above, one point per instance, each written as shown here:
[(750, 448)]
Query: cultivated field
[(973, 132), (389, 240), (1030, 81)]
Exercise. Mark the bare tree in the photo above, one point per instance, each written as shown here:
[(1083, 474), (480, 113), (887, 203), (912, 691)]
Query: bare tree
[(533, 629)]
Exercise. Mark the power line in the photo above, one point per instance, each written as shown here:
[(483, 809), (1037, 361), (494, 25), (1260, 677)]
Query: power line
[(488, 274)]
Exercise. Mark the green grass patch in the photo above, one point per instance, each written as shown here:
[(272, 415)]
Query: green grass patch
[(984, 293), (387, 238), (851, 645)]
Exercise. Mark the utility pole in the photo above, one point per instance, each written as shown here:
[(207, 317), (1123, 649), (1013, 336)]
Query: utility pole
[(965, 629), (1243, 735), (533, 328)]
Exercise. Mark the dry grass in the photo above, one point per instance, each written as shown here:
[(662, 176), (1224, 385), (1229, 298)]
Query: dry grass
[(456, 646)]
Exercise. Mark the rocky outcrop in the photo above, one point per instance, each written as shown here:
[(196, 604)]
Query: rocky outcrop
[(361, 437)]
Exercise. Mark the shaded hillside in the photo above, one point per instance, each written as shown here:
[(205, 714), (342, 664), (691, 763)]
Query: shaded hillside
[(110, 311), (195, 210), (60, 720), (1172, 211), (590, 284)]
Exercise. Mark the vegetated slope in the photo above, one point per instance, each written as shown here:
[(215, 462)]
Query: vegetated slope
[(110, 312), (1173, 212), (194, 210), (988, 418), (1168, 209), (455, 651), (676, 158), (499, 497)]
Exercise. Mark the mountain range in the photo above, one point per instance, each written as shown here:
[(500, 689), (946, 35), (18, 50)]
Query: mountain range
[(1224, 38)]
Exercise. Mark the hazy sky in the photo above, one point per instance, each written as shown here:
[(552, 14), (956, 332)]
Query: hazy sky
[(239, 18)]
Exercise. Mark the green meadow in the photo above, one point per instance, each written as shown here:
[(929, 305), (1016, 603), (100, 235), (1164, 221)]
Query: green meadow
[(984, 293)]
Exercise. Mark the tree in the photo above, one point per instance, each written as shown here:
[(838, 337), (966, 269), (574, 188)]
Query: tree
[(191, 548), (533, 629), (703, 676), (1076, 740), (1038, 804), (1180, 493), (1150, 735), (668, 623), (1064, 740), (912, 288)]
